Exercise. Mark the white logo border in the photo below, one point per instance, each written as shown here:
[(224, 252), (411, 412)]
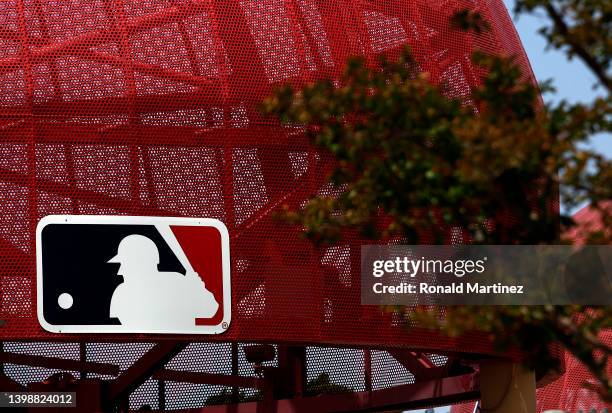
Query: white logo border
[(222, 327)]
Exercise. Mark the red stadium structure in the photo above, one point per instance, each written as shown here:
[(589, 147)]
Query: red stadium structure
[(149, 107), (571, 391)]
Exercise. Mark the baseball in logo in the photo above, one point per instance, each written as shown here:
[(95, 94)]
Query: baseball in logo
[(114, 274)]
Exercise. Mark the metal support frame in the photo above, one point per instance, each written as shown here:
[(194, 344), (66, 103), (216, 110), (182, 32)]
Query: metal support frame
[(290, 376), (235, 372), (447, 390), (367, 369), (161, 395), (6, 383), (282, 387), (143, 368), (207, 378), (419, 365), (83, 358), (59, 363)]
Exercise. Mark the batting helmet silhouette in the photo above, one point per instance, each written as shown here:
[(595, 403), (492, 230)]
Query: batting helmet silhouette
[(136, 247)]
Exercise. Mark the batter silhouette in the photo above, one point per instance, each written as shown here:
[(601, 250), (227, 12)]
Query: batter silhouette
[(151, 299)]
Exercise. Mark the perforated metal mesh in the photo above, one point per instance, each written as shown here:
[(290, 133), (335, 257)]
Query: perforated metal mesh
[(203, 358), (28, 374), (344, 369), (149, 107), (387, 372), (568, 393)]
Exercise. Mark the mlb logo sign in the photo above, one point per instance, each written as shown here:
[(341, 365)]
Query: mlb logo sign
[(117, 274)]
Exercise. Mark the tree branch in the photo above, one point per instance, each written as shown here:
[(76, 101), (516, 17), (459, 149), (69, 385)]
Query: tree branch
[(576, 47)]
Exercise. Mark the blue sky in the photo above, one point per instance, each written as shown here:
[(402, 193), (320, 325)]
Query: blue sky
[(574, 82), (572, 79)]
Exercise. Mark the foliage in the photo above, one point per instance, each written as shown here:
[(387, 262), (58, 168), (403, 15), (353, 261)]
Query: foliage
[(412, 162), (323, 385), (580, 28), (226, 397)]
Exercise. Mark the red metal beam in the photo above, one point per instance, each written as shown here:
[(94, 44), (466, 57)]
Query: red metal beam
[(97, 198), (8, 384), (182, 11), (154, 135), (206, 378), (202, 98), (367, 369), (418, 364), (59, 363), (235, 371), (142, 369), (233, 32), (146, 68), (290, 376), (444, 391)]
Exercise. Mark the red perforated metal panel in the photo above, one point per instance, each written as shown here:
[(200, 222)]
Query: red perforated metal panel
[(568, 393), (150, 108)]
